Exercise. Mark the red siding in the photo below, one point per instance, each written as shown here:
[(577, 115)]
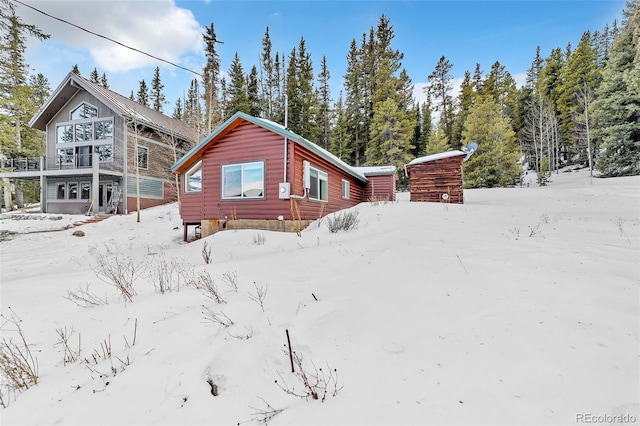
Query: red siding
[(381, 187), (249, 142), (430, 180)]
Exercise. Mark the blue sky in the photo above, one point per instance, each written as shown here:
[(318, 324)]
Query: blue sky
[(465, 32)]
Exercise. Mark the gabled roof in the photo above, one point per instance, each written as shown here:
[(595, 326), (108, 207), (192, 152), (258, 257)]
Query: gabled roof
[(376, 170), (438, 156), (195, 153), (121, 105)]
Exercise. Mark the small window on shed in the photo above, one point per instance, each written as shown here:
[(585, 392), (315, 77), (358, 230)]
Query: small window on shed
[(193, 178), (346, 189)]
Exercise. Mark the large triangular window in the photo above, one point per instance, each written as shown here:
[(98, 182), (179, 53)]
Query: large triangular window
[(84, 110)]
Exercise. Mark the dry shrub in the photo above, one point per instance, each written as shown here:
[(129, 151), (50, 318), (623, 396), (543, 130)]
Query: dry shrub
[(343, 221)]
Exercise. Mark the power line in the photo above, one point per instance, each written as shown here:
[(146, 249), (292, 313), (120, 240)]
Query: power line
[(109, 39)]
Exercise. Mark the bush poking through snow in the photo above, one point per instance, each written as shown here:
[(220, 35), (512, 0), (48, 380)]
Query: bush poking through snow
[(70, 355), (18, 367), (217, 318), (206, 285), (166, 275), (260, 294), (263, 415), (121, 272), (231, 280), (316, 382), (343, 221), (84, 298), (206, 253)]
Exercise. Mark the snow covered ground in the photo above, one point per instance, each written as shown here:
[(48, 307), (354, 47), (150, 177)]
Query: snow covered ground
[(519, 307)]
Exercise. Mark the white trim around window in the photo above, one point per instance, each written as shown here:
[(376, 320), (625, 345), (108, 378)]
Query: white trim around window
[(243, 181), (319, 185), (193, 178), (346, 189)]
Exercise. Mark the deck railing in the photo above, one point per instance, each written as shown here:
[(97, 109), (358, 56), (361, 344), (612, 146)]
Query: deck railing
[(24, 164)]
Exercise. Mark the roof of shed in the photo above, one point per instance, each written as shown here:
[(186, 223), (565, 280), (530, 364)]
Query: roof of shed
[(194, 153), (376, 170), (121, 105), (438, 156)]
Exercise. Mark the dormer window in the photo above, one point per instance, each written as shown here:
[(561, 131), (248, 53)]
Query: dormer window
[(84, 110)]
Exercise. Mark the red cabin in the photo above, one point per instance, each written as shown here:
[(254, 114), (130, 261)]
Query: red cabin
[(254, 173)]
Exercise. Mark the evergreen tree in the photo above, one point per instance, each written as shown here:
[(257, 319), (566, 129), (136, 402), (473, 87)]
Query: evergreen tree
[(581, 73), (268, 80), (132, 97), (210, 80), (94, 77), (178, 113), (391, 127), (616, 111), (466, 98), (237, 89), (19, 97), (255, 107), (307, 120), (416, 139), (193, 108), (103, 81), (495, 164), (438, 142), (439, 89), (354, 103), (75, 70), (427, 128), (324, 95), (143, 94), (157, 96)]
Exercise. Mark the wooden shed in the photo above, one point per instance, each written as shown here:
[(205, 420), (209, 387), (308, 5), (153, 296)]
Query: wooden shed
[(255, 173), (437, 177)]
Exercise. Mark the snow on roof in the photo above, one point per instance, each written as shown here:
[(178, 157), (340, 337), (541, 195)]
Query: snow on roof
[(438, 156)]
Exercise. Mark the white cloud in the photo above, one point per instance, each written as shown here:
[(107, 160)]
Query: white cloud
[(159, 28)]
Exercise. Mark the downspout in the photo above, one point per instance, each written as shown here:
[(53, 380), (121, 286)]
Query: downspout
[(284, 168)]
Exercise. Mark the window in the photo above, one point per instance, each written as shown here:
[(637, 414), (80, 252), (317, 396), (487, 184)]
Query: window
[(346, 186), (143, 157), (85, 190), (65, 156), (84, 110), (104, 130), (61, 191), (193, 178), (73, 191), (243, 180), (319, 188), (64, 133), (105, 152)]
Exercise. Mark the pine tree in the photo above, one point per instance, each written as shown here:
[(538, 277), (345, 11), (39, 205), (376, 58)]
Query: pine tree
[(143, 94), (178, 113), (616, 111), (439, 88), (75, 70), (324, 95), (581, 72), (268, 80), (210, 79), (237, 89), (18, 98), (253, 96), (94, 77), (340, 144), (157, 96), (103, 81), (427, 128), (438, 142), (495, 164), (193, 108)]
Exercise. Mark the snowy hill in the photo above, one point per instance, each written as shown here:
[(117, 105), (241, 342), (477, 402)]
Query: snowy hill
[(519, 307)]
